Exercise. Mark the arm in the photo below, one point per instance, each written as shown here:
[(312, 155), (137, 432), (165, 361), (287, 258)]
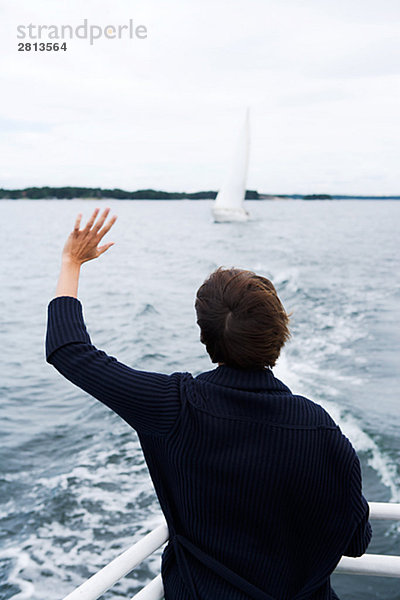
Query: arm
[(363, 532), (149, 402)]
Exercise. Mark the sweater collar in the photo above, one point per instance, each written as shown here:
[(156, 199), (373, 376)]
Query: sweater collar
[(244, 379)]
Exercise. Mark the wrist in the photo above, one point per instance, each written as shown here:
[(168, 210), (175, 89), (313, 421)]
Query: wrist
[(69, 277), (68, 261)]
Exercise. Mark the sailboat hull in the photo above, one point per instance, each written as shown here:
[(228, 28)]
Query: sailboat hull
[(228, 215)]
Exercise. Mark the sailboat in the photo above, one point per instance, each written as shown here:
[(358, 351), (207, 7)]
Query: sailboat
[(228, 205)]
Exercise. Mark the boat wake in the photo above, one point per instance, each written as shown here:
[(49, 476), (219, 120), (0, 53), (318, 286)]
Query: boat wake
[(310, 367)]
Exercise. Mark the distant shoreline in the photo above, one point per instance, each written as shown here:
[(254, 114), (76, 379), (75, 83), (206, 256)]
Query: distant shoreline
[(70, 193)]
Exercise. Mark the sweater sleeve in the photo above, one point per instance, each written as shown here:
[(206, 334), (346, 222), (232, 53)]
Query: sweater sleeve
[(149, 402), (363, 532)]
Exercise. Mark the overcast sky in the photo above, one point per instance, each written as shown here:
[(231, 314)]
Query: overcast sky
[(321, 78)]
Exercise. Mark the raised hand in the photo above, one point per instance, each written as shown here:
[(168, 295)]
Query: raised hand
[(83, 244)]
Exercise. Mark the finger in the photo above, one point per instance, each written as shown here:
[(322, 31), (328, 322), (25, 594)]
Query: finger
[(102, 249), (78, 222), (91, 220), (100, 222), (106, 227)]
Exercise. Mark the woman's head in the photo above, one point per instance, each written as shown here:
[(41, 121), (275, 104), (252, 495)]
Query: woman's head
[(242, 321)]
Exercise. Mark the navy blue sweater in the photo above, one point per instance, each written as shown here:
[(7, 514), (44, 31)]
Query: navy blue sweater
[(260, 489)]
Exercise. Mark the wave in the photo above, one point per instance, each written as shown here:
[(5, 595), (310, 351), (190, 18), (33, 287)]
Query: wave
[(79, 520)]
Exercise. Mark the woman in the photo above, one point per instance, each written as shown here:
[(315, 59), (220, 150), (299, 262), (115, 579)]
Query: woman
[(260, 489)]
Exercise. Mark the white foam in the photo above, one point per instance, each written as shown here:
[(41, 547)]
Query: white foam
[(58, 556), (21, 561)]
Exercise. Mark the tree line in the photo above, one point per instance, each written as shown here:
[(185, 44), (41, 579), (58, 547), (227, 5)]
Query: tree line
[(65, 193)]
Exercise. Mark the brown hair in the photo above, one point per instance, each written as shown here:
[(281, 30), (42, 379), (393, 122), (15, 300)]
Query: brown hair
[(242, 321)]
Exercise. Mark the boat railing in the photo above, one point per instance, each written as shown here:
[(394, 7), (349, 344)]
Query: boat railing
[(103, 580)]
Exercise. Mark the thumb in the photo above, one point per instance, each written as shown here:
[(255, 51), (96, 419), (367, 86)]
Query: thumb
[(102, 249)]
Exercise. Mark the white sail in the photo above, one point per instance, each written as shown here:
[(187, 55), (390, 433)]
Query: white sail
[(228, 205)]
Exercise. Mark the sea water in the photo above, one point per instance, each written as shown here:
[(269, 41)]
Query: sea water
[(74, 488)]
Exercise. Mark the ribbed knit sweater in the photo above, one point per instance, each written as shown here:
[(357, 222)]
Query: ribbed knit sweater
[(260, 489)]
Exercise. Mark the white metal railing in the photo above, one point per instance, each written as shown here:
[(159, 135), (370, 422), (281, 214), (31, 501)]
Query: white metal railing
[(93, 588), (119, 567)]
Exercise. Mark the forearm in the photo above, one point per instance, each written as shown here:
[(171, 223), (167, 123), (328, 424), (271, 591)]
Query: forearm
[(363, 532), (68, 279), (360, 540)]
